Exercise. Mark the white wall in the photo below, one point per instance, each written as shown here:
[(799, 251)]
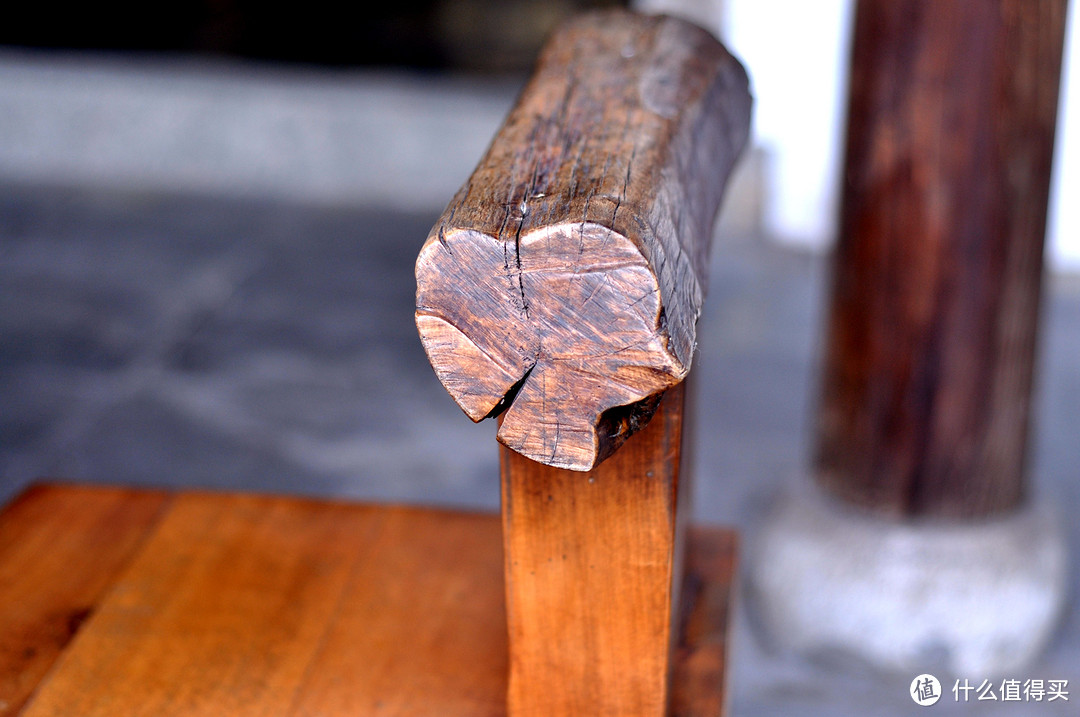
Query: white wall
[(337, 137), (797, 54), (1063, 232), (312, 135)]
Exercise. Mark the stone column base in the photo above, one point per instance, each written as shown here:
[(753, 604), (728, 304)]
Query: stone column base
[(977, 598)]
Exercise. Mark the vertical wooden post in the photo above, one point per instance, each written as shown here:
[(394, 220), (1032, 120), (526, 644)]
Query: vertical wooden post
[(560, 291), (932, 330), (592, 571)]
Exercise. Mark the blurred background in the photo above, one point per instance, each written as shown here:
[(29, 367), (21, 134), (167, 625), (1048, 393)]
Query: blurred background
[(209, 213)]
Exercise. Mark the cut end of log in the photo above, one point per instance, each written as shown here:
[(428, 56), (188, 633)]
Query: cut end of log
[(561, 286), (547, 339), (477, 382)]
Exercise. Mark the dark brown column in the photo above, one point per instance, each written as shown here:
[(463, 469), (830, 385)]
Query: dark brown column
[(935, 302)]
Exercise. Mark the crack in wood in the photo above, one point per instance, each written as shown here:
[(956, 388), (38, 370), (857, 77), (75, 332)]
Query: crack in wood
[(613, 205)]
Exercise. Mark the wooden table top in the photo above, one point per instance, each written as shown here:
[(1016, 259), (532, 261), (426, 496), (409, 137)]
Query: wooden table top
[(121, 602)]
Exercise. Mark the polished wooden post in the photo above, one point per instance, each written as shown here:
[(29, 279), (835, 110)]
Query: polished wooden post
[(560, 292), (593, 563), (935, 300)]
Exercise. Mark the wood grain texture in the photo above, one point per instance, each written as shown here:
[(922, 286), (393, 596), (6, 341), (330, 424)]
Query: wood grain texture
[(591, 566), (240, 605), (220, 613), (248, 605), (421, 628), (701, 656), (60, 549), (562, 284), (934, 311)]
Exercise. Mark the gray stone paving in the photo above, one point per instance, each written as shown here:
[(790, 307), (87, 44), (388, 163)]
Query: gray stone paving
[(242, 344), (153, 340), (259, 340)]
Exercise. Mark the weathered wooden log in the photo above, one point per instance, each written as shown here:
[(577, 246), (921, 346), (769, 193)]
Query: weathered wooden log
[(932, 329), (562, 284)]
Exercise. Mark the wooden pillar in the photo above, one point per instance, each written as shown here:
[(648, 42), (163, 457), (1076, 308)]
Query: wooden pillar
[(560, 292), (935, 297)]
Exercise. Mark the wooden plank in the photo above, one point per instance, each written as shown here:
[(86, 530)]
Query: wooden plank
[(591, 561), (220, 613), (246, 605), (562, 285), (701, 658), (927, 384), (421, 629), (241, 605), (60, 549)]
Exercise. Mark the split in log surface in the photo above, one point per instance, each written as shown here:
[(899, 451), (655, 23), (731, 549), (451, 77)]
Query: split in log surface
[(562, 284), (927, 385)]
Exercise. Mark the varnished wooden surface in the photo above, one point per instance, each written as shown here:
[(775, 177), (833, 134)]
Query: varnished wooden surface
[(563, 282), (701, 653), (591, 561), (930, 350), (60, 550), (222, 604)]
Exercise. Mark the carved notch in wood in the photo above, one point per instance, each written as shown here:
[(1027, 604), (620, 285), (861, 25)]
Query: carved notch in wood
[(561, 286)]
